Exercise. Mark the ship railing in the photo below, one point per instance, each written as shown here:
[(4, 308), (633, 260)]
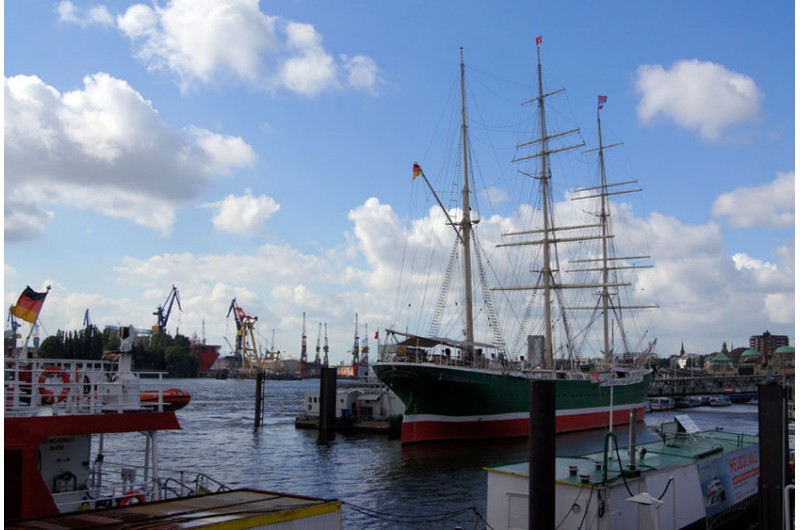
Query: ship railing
[(176, 488), (114, 484), (53, 387), (94, 495), (419, 356)]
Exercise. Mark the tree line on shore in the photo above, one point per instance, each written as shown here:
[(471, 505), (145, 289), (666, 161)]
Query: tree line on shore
[(160, 352)]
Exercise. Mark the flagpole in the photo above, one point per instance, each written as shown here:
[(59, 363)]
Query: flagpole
[(24, 353), (446, 214)]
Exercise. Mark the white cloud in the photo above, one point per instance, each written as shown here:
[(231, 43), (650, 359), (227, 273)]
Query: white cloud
[(243, 215), (363, 73), (768, 205), (705, 296), (697, 95), (220, 41), (311, 69), (202, 40), (24, 220), (104, 139), (97, 15)]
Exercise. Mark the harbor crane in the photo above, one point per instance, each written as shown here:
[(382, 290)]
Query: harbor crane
[(162, 316), (246, 345), (304, 349)]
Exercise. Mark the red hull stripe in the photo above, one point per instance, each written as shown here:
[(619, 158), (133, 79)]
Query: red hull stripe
[(415, 429)]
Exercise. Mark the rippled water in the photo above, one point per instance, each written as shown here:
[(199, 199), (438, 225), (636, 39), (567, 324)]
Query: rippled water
[(367, 472)]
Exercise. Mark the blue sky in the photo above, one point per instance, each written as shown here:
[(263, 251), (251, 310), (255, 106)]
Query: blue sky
[(263, 151)]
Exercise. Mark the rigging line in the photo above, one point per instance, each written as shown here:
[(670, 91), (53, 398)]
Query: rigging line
[(496, 77), (479, 516)]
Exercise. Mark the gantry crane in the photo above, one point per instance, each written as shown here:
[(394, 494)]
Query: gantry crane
[(246, 345)]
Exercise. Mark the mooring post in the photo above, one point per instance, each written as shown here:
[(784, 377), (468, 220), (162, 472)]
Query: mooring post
[(259, 399), (772, 445), (327, 404), (542, 455)]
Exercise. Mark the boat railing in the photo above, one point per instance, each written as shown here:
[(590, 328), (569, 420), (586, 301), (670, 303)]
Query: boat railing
[(420, 356), (115, 484), (101, 492), (58, 387), (183, 486)]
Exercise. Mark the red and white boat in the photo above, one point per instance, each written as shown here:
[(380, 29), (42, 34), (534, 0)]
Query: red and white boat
[(57, 414)]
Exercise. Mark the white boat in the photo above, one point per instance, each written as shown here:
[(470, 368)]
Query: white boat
[(368, 406), (688, 478), (687, 402), (657, 404), (719, 401)]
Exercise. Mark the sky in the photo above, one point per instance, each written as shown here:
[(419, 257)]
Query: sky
[(262, 151)]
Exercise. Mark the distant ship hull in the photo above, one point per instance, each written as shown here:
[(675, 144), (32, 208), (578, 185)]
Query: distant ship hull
[(207, 354), (310, 370)]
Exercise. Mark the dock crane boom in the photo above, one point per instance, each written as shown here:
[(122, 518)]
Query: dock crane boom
[(246, 346), (319, 334), (162, 317)]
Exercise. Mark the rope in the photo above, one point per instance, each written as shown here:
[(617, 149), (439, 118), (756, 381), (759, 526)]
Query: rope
[(413, 518)]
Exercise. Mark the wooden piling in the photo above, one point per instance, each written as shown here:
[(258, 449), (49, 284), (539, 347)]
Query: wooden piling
[(542, 455), (259, 416), (327, 404), (772, 442)]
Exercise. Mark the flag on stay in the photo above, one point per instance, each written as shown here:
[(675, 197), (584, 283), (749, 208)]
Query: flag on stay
[(417, 171), (538, 40), (601, 100), (29, 304)]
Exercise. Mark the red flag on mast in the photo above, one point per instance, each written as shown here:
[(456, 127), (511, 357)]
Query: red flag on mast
[(538, 40)]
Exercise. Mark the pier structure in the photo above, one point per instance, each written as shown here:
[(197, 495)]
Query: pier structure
[(743, 386)]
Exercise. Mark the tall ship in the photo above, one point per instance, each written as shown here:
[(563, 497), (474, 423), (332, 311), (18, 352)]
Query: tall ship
[(470, 387)]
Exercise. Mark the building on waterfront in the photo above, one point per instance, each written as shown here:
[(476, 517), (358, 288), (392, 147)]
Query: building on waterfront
[(782, 361), (750, 362), (766, 343), (719, 364)]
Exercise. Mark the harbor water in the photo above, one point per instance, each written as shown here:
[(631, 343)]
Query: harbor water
[(382, 483)]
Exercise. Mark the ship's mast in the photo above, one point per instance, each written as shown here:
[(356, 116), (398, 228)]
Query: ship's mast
[(466, 222), (549, 239), (604, 233), (546, 269)]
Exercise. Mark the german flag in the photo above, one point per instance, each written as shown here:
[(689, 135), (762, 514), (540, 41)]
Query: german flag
[(417, 171), (29, 304)]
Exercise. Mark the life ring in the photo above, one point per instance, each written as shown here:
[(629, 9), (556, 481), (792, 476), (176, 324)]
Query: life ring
[(132, 497), (49, 397)]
